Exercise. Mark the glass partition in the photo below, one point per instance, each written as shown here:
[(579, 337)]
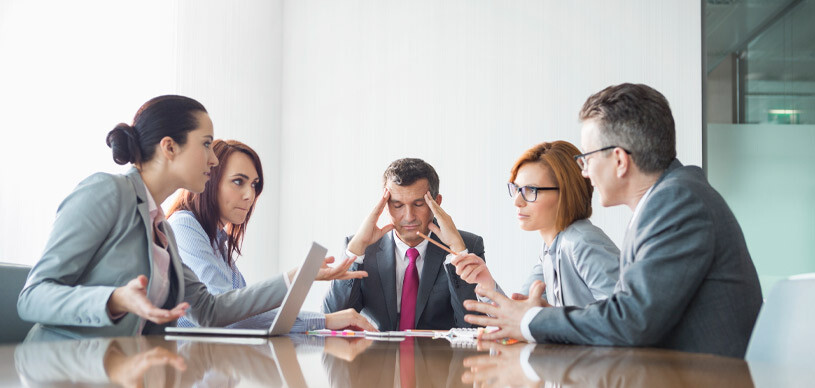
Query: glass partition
[(760, 135)]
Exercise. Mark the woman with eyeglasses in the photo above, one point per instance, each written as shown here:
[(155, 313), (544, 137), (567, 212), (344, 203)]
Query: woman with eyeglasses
[(578, 262)]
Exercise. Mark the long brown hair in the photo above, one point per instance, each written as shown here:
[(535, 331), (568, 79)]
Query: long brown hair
[(204, 206), (574, 202)]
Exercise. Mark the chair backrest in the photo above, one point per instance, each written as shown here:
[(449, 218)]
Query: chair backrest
[(12, 278), (785, 329)]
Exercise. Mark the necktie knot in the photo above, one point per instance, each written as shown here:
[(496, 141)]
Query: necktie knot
[(412, 254)]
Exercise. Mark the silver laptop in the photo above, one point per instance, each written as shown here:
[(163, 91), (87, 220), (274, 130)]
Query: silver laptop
[(287, 313)]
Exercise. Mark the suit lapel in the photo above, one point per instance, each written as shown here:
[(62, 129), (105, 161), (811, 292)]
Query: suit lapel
[(432, 264), (175, 259), (627, 253), (386, 263), (641, 217), (143, 207)]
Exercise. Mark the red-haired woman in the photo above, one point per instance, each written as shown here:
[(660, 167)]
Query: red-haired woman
[(578, 262), (210, 226)]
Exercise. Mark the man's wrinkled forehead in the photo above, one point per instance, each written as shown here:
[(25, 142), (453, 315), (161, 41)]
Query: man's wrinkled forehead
[(407, 194)]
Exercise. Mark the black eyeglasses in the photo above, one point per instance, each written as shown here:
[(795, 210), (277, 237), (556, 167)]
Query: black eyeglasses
[(581, 159), (528, 193)]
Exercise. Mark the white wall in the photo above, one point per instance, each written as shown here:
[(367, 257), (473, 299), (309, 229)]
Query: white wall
[(69, 72), (467, 86), (330, 92)]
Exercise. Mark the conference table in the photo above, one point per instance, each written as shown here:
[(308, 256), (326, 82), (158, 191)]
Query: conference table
[(318, 361)]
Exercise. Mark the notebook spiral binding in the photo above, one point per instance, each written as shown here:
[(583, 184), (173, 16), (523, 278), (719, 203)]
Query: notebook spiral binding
[(460, 337)]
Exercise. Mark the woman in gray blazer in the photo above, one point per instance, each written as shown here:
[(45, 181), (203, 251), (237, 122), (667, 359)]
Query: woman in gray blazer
[(578, 262), (111, 265)]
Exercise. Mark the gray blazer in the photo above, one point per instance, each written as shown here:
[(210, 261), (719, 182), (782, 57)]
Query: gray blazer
[(687, 281), (439, 303), (101, 240), (587, 262)]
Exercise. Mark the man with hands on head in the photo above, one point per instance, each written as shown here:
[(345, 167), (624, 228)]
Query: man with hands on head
[(411, 283), (687, 281)]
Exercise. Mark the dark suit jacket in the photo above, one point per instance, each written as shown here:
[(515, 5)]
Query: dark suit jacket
[(687, 281), (439, 304)]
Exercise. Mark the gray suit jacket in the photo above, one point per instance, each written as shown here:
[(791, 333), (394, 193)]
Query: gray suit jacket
[(439, 304), (587, 262), (687, 281), (101, 240)]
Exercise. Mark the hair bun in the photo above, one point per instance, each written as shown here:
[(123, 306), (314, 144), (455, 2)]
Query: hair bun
[(124, 141)]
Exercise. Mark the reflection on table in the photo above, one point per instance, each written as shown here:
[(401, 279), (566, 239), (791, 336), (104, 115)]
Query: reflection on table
[(579, 366), (130, 362), (298, 361), (419, 362)]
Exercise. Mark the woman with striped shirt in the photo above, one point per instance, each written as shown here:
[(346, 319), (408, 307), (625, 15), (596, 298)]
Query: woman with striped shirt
[(210, 226)]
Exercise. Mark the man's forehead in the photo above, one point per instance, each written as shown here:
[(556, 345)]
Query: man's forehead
[(410, 193), (588, 134)]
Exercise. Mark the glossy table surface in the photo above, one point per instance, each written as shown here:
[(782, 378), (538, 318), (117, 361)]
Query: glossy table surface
[(313, 361)]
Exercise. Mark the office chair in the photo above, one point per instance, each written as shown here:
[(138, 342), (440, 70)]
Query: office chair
[(12, 278), (785, 329)]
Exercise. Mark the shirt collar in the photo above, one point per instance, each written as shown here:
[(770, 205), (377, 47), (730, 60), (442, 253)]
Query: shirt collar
[(639, 206), (552, 248), (402, 248), (221, 236), (154, 209)]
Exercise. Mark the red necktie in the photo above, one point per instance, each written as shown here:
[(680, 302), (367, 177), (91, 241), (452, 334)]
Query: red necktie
[(407, 369), (410, 287)]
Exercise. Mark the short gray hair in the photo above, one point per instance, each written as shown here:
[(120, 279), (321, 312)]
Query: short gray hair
[(638, 118), (406, 171)]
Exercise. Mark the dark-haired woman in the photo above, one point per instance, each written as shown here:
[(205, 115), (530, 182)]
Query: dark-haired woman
[(209, 228), (110, 266)]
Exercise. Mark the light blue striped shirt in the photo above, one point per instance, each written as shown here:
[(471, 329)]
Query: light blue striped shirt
[(208, 261)]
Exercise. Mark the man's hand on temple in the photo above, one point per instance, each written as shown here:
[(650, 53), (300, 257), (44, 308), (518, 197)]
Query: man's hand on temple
[(368, 233), (446, 230)]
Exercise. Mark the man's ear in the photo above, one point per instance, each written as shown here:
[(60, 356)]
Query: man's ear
[(438, 199), (168, 147), (624, 162)]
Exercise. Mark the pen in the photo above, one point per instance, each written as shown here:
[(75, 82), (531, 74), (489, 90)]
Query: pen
[(438, 244), (332, 332)]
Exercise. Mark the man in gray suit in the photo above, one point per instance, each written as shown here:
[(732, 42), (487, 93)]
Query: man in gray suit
[(686, 282), (411, 193)]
